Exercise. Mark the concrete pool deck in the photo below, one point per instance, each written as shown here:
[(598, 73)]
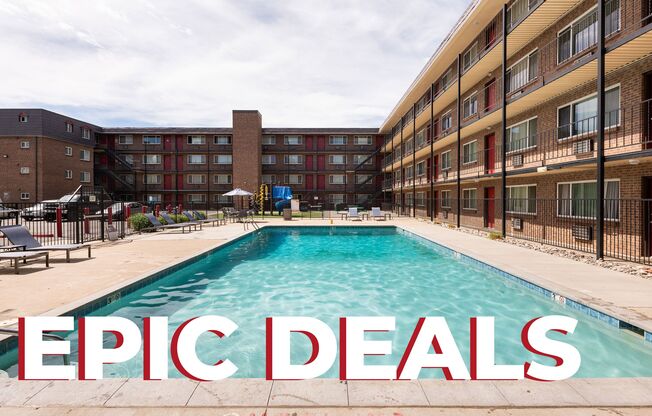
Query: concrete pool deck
[(67, 285)]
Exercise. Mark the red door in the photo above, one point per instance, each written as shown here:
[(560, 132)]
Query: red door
[(321, 162), (309, 162), (428, 170), (179, 181), (167, 182), (179, 162), (167, 143), (490, 34), (321, 182), (309, 184), (321, 142), (490, 153), (435, 203), (490, 98), (309, 142), (435, 167), (489, 207), (179, 145), (167, 162)]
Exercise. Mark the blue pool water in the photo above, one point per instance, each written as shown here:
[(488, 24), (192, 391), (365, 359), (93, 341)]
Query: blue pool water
[(328, 272)]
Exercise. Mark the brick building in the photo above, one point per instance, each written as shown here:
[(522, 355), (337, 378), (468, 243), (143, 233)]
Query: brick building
[(46, 155)]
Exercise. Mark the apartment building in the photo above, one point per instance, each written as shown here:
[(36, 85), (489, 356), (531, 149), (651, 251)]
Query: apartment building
[(500, 130), (43, 155), (46, 155)]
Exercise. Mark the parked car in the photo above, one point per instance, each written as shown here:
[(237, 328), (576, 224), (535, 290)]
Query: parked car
[(69, 208), (6, 212), (37, 211), (118, 207)]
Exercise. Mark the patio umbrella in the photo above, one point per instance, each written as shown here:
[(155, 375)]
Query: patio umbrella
[(238, 192)]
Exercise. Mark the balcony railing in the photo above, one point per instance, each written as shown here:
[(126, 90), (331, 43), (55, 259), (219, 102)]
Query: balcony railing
[(519, 10)]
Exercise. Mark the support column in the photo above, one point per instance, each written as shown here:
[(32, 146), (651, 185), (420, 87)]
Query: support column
[(400, 198), (459, 139), (432, 149), (599, 240), (414, 160), (503, 150)]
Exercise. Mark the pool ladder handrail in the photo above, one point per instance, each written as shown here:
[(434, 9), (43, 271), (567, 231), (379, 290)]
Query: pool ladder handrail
[(66, 357), (249, 219)]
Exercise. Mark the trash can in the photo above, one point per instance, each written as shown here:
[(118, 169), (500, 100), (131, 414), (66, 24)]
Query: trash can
[(287, 214)]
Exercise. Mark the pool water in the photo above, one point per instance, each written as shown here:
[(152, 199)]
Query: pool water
[(328, 272)]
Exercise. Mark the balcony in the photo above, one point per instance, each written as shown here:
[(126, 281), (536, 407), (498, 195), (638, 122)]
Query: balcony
[(483, 56)]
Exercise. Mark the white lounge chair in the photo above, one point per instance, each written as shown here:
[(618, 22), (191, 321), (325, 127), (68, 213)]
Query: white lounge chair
[(377, 214), (353, 215)]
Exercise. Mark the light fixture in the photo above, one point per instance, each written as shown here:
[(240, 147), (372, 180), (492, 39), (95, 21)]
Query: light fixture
[(633, 161), (542, 169)]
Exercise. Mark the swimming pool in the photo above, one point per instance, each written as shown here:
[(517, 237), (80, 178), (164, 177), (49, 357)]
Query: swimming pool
[(328, 272)]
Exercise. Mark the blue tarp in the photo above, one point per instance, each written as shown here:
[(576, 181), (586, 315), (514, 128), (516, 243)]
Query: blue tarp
[(281, 192)]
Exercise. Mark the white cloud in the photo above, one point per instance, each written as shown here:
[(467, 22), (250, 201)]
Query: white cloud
[(137, 62)]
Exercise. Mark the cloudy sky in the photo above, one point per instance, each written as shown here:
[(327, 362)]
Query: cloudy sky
[(302, 63)]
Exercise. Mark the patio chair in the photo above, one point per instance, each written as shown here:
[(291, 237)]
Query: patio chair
[(195, 217), (169, 220), (157, 225), (20, 235), (353, 214), (230, 214), (14, 257), (377, 214)]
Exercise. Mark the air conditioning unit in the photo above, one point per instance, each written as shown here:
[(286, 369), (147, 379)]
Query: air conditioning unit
[(517, 224), (583, 146), (445, 215), (517, 160), (582, 232)]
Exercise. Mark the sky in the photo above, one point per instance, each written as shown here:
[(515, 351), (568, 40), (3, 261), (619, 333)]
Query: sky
[(301, 63)]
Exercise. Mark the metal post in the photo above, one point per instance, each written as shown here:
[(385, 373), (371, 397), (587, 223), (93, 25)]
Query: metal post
[(503, 150), (102, 214), (459, 138), (599, 242), (414, 160), (432, 155), (400, 200)]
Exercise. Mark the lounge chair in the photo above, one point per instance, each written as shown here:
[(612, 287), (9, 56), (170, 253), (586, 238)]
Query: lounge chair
[(157, 225), (201, 216), (15, 257), (19, 235), (377, 214), (194, 217), (169, 220), (353, 215)]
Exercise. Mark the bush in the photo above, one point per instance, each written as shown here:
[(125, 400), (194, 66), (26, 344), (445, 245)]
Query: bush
[(495, 235), (138, 221), (175, 217)]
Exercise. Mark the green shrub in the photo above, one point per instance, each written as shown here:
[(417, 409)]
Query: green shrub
[(138, 221), (175, 217)]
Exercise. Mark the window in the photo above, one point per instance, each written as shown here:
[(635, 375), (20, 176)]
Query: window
[(223, 159), (293, 140), (197, 198), (420, 199), (360, 179), (222, 179), (470, 198), (446, 162), (268, 179), (470, 152), (522, 72), (445, 199), (223, 199), (269, 139), (127, 179), (24, 195), (579, 117), (222, 140), (421, 138), (153, 198), (470, 105), (293, 159), (196, 159), (294, 179), (336, 199), (151, 139), (150, 159), (23, 118), (125, 139), (67, 174), (469, 57), (196, 179), (269, 159), (522, 135), (151, 179), (357, 159), (86, 133), (446, 79), (522, 199), (421, 168), (447, 121), (337, 179), (362, 140), (67, 151), (24, 144), (24, 170), (337, 140), (409, 199), (84, 155), (583, 32), (578, 199), (196, 140), (409, 172), (69, 127), (84, 177), (129, 159), (336, 159), (409, 146)]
